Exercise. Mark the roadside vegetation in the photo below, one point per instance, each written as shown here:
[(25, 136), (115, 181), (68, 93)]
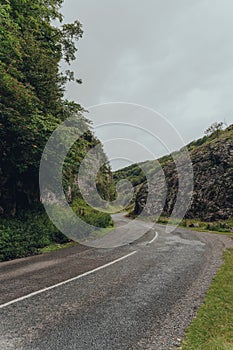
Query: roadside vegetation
[(32, 106), (220, 226), (90, 215), (56, 246), (212, 329), (32, 232), (26, 234)]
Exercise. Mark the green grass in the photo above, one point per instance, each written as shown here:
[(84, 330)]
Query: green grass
[(218, 227), (212, 329), (91, 216), (54, 247)]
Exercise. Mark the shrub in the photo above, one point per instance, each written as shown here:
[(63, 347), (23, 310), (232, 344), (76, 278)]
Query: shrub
[(90, 215), (24, 235), (32, 230)]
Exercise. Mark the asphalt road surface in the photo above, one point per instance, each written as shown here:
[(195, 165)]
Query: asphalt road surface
[(138, 296)]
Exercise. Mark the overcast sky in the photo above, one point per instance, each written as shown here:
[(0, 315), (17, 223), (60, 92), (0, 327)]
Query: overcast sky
[(174, 56)]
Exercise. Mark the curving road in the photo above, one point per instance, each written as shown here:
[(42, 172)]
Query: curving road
[(139, 296)]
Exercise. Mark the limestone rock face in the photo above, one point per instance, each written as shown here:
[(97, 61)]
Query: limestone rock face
[(212, 196)]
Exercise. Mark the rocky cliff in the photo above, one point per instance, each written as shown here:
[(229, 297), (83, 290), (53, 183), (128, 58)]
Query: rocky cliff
[(212, 196)]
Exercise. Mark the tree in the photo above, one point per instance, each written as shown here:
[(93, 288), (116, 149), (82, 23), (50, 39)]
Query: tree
[(32, 89), (214, 128)]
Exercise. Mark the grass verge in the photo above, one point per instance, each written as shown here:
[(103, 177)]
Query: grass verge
[(56, 246), (212, 329), (219, 227)]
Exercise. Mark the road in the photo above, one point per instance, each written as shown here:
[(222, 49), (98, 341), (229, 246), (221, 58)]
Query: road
[(138, 296)]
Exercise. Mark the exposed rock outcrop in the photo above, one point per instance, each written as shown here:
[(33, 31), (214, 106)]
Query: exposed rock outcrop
[(212, 197)]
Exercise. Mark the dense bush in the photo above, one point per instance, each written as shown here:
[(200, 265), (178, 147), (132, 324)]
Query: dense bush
[(31, 230), (26, 234), (90, 215)]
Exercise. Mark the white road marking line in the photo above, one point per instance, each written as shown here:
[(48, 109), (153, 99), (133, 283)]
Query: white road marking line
[(155, 237), (67, 281)]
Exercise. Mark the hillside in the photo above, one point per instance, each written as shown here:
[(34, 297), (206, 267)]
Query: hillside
[(212, 160)]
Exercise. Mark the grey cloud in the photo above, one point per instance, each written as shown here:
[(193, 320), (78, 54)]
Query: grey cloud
[(173, 56)]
